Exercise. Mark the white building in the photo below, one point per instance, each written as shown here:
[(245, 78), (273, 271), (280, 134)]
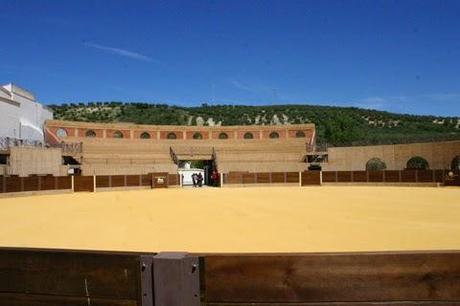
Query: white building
[(20, 115)]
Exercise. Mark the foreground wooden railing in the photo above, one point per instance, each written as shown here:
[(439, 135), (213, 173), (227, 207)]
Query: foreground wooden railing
[(320, 177), (13, 184), (58, 277)]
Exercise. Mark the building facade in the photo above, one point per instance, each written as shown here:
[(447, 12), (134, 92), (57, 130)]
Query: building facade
[(21, 116)]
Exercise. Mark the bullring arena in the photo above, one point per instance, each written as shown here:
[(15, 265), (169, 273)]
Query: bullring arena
[(238, 220), (99, 214)]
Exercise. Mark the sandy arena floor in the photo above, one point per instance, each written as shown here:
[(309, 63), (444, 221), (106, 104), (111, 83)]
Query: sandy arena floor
[(260, 219)]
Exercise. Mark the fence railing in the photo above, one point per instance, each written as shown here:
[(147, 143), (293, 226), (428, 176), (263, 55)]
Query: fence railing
[(34, 183), (9, 184), (67, 148), (30, 277), (387, 176), (320, 177)]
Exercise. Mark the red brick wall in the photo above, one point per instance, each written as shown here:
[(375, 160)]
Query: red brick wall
[(137, 134), (164, 134), (266, 134), (110, 132), (82, 132), (215, 134), (189, 134)]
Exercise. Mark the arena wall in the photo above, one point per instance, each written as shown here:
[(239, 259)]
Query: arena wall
[(24, 161), (438, 154)]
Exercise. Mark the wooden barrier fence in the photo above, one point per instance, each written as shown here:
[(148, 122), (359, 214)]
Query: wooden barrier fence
[(318, 177), (11, 184), (88, 183), (34, 183), (267, 177), (388, 176), (31, 277)]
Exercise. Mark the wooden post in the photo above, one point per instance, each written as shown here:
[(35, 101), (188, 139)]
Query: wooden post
[(94, 183), (146, 267), (180, 180), (300, 178), (222, 179), (176, 279), (321, 177), (72, 183)]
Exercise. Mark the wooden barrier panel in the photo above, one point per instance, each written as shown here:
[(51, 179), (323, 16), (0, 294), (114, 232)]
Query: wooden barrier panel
[(13, 184), (64, 182), (173, 179), (409, 176), (344, 176), (34, 277), (263, 178), (48, 182), (278, 177), (31, 183), (159, 180), (133, 180), (375, 176), (329, 176), (146, 180), (292, 177), (102, 181), (233, 178), (118, 181), (83, 183), (439, 176), (310, 279), (311, 178), (248, 178), (392, 176), (425, 176), (360, 176)]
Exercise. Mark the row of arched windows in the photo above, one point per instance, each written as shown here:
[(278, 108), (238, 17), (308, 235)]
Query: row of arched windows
[(171, 135), (415, 163)]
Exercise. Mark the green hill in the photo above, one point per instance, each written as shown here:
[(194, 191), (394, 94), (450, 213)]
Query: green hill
[(335, 125)]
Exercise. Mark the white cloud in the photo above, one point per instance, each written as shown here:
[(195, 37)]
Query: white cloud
[(121, 52)]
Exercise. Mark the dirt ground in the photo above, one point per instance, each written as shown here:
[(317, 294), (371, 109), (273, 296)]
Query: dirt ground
[(256, 219)]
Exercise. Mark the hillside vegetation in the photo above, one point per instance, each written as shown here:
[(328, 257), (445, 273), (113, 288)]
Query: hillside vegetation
[(336, 126)]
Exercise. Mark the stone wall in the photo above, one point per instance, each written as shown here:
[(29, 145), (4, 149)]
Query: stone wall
[(438, 154)]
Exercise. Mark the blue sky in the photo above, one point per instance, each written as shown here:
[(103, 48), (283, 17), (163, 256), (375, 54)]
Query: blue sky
[(401, 56)]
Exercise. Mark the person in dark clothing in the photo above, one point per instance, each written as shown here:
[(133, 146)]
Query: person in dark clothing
[(215, 178), (200, 179), (194, 179)]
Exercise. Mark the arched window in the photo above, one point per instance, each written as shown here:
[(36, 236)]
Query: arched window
[(61, 133), (418, 163), (274, 135), (375, 164), (299, 134), (223, 135), (248, 135), (456, 163), (145, 135), (90, 134), (171, 135), (197, 135), (117, 134)]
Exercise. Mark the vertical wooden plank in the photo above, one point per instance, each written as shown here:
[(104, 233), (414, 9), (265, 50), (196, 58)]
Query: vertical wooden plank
[(146, 272)]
